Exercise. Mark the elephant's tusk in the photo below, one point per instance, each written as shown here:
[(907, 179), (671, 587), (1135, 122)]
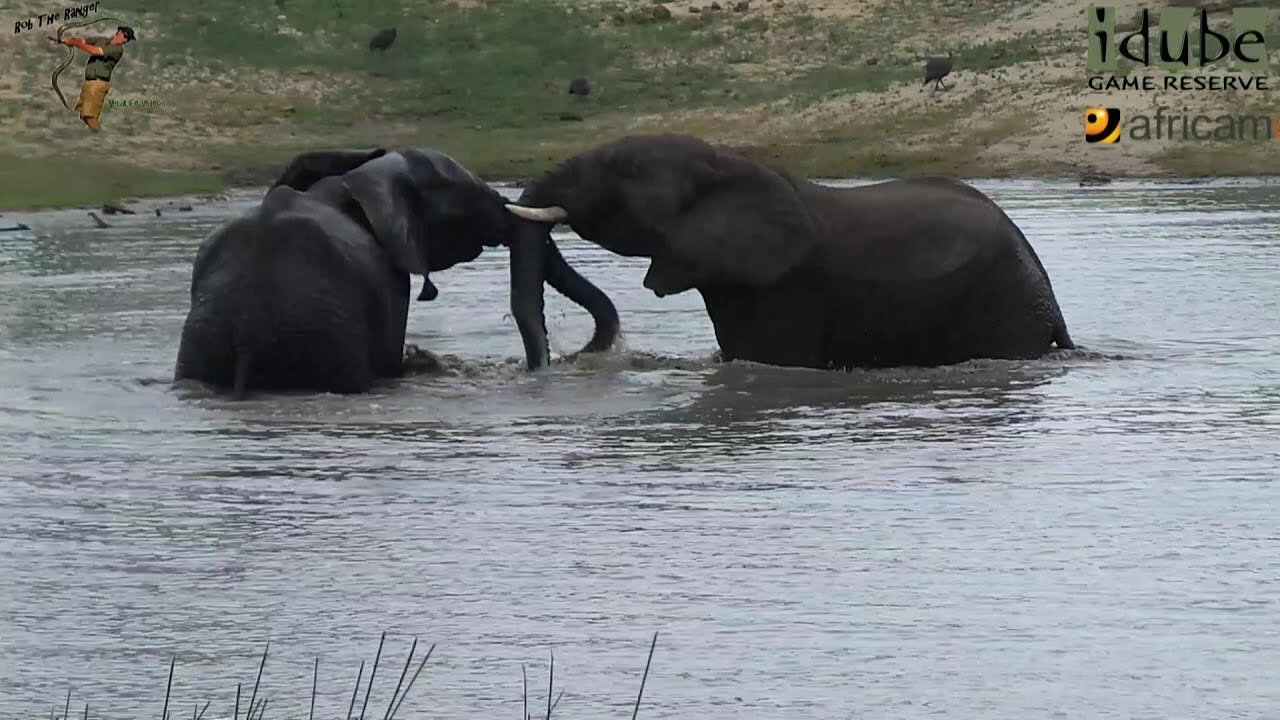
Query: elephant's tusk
[(553, 214)]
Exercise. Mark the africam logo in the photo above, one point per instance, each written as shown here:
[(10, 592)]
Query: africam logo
[(1101, 125)]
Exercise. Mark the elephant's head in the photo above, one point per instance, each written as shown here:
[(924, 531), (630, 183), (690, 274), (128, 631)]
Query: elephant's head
[(704, 216), (431, 213), (428, 211), (305, 169)]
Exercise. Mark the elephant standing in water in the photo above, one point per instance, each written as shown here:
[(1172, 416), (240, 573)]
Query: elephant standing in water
[(310, 290), (917, 272)]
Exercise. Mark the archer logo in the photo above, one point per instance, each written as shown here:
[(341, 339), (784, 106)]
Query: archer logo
[(103, 54), (1102, 125)]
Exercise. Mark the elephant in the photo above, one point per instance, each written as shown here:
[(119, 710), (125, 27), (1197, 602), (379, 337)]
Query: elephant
[(923, 271), (306, 169), (309, 290)]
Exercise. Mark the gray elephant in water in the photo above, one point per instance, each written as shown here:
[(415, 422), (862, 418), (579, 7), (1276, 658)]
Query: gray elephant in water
[(310, 289), (919, 272)]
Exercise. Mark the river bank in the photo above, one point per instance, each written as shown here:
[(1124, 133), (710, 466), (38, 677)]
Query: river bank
[(818, 87), (35, 183)]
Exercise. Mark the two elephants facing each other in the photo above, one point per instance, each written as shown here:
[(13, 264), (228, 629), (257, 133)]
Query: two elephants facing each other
[(310, 289), (911, 272)]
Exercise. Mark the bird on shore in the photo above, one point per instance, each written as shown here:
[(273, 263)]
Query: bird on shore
[(936, 68), (382, 39), (579, 86)]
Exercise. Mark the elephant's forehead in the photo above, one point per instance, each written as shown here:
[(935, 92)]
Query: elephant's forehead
[(440, 164)]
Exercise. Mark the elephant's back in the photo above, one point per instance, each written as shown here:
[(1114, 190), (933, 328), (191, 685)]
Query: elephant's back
[(290, 250), (919, 230), (307, 229)]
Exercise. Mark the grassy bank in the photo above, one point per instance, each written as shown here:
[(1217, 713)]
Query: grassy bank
[(826, 87), (62, 181)]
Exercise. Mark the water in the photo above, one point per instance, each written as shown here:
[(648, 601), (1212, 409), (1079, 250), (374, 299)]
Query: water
[(1089, 535)]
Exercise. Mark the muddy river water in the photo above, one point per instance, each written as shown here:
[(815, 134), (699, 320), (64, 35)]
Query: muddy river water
[(1095, 534)]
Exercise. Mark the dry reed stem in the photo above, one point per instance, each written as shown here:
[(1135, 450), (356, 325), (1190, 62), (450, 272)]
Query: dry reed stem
[(256, 709)]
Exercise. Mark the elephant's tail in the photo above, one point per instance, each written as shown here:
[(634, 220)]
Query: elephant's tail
[(243, 358), (251, 340), (1061, 337)]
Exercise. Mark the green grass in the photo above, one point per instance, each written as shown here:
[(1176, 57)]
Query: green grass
[(506, 64), (498, 65), (1227, 158), (37, 182), (487, 83), (499, 154), (1220, 159), (956, 10)]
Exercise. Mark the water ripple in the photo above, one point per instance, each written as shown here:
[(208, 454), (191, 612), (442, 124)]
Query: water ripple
[(1089, 534)]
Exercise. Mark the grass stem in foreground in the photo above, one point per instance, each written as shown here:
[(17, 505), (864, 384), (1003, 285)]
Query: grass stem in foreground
[(377, 656), (356, 691), (249, 715), (551, 681), (412, 680), (405, 671), (640, 694), (164, 714)]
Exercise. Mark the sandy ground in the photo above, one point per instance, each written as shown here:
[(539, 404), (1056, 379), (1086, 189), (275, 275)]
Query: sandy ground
[(1027, 118)]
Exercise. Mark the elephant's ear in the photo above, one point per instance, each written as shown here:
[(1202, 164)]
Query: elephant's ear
[(747, 227), (306, 169), (391, 202)]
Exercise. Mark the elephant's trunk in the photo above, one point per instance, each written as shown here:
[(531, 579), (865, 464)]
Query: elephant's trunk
[(535, 259), (528, 263), (569, 283)]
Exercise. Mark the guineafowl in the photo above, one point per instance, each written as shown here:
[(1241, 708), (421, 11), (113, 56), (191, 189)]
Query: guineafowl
[(936, 68), (383, 39)]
